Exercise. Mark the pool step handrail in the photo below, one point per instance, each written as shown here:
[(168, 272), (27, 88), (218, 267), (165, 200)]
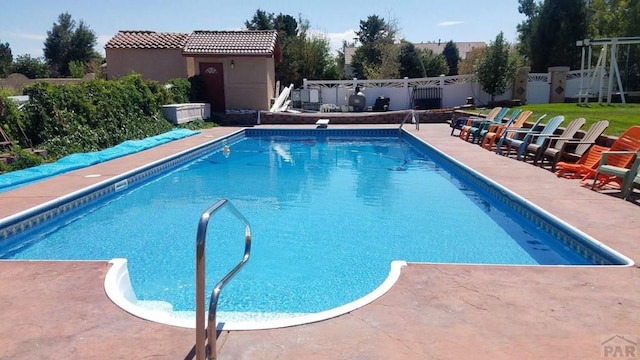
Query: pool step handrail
[(415, 119), (206, 336)]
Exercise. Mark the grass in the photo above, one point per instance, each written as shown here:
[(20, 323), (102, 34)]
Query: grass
[(621, 117)]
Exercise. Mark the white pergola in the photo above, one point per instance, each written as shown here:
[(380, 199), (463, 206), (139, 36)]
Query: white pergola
[(598, 72)]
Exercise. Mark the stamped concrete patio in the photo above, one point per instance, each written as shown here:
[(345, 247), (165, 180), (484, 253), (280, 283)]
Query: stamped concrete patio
[(59, 310)]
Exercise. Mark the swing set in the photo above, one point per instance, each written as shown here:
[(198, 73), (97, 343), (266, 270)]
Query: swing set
[(598, 72)]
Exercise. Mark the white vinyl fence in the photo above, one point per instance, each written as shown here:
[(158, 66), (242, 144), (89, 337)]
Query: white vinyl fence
[(455, 89)]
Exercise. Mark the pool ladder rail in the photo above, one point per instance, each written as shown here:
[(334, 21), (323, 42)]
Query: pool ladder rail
[(415, 119), (206, 336)]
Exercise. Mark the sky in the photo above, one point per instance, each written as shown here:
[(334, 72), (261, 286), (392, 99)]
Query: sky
[(24, 23)]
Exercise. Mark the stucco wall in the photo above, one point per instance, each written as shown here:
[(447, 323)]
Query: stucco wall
[(249, 84), (153, 64)]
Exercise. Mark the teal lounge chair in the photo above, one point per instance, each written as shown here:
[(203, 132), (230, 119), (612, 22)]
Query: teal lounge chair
[(477, 127), (485, 129), (531, 138), (516, 136)]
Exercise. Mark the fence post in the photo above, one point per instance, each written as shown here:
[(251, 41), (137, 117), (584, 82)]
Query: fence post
[(407, 100), (520, 84), (558, 82)]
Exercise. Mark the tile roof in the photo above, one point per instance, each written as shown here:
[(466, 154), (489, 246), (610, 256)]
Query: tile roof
[(247, 42), (126, 39)]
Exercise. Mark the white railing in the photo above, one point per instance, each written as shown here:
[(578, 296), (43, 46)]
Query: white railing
[(455, 89)]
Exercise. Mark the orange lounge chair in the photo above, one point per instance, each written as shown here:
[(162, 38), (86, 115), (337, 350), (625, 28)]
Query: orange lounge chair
[(585, 167), (628, 142), (496, 131), (465, 132)]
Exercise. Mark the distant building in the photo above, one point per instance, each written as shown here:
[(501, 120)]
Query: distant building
[(464, 48), (237, 67)]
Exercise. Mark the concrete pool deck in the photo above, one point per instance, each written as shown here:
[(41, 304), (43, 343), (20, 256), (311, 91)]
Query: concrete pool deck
[(58, 310)]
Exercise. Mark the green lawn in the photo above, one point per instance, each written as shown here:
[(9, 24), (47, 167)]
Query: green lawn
[(620, 116)]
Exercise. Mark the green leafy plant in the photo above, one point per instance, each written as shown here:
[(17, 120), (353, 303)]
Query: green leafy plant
[(76, 69), (179, 91), (93, 115)]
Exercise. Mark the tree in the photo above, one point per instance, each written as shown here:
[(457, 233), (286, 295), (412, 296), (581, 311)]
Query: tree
[(372, 30), (467, 66), (434, 64), (303, 55), (377, 41), (33, 68), (496, 70), (619, 18), (410, 61), (549, 34), (261, 20), (6, 58), (65, 43), (452, 55), (528, 8)]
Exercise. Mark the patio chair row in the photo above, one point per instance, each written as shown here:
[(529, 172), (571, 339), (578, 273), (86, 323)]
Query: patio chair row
[(567, 154)]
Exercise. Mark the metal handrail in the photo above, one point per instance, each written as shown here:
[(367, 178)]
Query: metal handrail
[(206, 340), (414, 119)]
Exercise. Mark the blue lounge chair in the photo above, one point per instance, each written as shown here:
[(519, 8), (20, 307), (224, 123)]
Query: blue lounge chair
[(515, 135), (530, 137)]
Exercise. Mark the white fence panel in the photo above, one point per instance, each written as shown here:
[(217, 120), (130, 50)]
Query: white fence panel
[(589, 85), (455, 89), (538, 88)]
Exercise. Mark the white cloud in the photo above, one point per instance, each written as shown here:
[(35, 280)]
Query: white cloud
[(450, 23)]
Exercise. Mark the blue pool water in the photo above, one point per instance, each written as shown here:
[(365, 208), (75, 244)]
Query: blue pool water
[(328, 214)]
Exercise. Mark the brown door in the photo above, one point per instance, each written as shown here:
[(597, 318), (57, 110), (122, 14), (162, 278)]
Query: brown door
[(213, 79)]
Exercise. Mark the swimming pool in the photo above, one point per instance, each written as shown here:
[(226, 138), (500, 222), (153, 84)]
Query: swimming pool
[(299, 190)]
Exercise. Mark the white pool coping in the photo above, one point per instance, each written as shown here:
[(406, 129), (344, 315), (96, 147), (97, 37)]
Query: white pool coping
[(117, 285)]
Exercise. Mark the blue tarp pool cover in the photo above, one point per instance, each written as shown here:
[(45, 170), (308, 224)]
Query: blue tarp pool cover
[(15, 179)]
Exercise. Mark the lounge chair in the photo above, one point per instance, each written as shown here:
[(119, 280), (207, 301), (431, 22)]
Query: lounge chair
[(464, 133), (635, 180), (584, 167), (486, 128), (5, 142), (495, 132), (624, 149), (623, 175), (553, 140), (513, 134), (530, 136), (574, 149), (622, 155), (478, 127), (461, 122)]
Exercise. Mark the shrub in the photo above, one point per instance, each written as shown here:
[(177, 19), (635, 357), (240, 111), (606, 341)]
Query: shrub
[(179, 91), (24, 159), (93, 115), (11, 121), (197, 88)]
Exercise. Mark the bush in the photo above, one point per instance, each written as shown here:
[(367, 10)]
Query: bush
[(24, 159), (197, 89), (179, 91), (93, 115), (11, 121)]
